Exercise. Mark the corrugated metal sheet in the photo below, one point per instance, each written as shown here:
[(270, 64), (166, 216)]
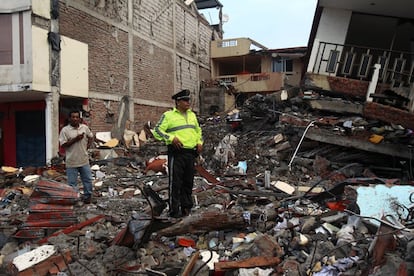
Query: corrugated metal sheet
[(50, 207), (53, 192)]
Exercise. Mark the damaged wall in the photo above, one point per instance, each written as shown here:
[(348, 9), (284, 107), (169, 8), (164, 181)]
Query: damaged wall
[(349, 87), (153, 73), (212, 99), (146, 50), (389, 114), (108, 50)]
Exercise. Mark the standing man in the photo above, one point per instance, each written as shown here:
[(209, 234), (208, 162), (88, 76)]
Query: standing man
[(180, 130), (76, 138)]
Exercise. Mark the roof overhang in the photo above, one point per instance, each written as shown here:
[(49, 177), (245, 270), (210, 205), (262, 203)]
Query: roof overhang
[(394, 8), (15, 6), (206, 4)]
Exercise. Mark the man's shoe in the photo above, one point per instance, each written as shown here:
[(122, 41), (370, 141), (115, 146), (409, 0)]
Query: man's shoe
[(175, 215), (186, 212), (87, 200)]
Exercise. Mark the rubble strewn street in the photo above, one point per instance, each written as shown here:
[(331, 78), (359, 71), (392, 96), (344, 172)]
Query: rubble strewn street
[(284, 191)]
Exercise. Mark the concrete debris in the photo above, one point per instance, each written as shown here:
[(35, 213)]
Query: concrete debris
[(299, 186)]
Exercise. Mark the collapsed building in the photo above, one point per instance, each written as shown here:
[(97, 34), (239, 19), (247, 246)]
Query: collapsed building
[(268, 200), (307, 179)]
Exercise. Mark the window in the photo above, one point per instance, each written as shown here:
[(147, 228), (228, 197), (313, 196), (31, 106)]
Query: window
[(364, 66), (6, 41), (227, 43), (260, 77), (349, 62), (383, 61), (281, 64), (332, 61)]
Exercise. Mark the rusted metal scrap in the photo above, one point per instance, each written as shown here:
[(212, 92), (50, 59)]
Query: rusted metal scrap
[(190, 265), (136, 232), (72, 228), (204, 173), (384, 242), (51, 207), (47, 208), (53, 192), (49, 223)]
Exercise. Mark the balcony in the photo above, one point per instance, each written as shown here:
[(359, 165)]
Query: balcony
[(356, 62), (234, 47), (254, 83)]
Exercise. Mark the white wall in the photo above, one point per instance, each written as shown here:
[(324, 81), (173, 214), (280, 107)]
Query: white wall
[(41, 8), (74, 68), (333, 27), (41, 60), (17, 76), (10, 6)]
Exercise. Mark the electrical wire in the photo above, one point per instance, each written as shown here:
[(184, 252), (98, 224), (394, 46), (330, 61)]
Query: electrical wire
[(299, 144), (397, 227), (311, 265), (332, 173), (204, 264)]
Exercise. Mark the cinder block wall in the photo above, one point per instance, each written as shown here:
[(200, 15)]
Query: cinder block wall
[(162, 48)]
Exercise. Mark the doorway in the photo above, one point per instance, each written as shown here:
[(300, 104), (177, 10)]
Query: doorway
[(1, 138), (30, 138)]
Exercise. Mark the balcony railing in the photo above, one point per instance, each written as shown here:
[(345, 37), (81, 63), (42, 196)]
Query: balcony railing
[(258, 82), (357, 62)]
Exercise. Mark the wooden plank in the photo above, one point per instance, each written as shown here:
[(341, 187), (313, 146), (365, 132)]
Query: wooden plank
[(247, 263), (190, 265)]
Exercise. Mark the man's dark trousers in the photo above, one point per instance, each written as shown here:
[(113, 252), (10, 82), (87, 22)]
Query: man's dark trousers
[(181, 180)]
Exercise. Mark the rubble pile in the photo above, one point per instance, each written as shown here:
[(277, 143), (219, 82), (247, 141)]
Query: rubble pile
[(287, 190)]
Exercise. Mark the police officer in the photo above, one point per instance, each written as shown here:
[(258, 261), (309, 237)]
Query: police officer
[(180, 130)]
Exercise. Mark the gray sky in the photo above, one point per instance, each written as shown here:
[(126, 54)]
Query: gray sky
[(273, 23)]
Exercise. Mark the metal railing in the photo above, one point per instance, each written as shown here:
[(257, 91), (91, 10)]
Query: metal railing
[(256, 82), (357, 62)]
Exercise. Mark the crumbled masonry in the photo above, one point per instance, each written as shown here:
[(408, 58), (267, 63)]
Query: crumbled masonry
[(286, 192)]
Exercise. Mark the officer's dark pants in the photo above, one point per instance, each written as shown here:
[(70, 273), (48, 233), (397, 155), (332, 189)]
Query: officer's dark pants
[(181, 180)]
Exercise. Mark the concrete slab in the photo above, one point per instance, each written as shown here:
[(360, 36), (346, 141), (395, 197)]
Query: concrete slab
[(322, 135), (337, 106)]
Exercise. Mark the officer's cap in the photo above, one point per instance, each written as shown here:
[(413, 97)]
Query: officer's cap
[(182, 95)]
